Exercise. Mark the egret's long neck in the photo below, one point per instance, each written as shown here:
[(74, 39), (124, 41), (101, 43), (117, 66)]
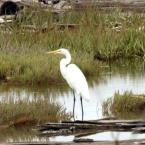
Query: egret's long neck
[(64, 62)]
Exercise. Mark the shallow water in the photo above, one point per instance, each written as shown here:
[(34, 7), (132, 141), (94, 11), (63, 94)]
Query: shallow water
[(121, 76), (104, 136)]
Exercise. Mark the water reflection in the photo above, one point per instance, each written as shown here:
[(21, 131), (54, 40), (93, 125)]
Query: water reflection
[(103, 136), (17, 134), (112, 136), (120, 76)]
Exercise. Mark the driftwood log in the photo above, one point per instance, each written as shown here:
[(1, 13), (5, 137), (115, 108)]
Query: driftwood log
[(13, 6), (83, 128), (134, 5)]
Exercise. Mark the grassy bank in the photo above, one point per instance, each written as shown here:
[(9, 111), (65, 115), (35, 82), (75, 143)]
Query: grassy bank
[(100, 36), (20, 112), (36, 68), (125, 106)]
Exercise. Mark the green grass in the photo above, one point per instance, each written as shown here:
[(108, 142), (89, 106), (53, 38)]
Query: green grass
[(37, 68), (22, 51), (125, 106), (20, 112)]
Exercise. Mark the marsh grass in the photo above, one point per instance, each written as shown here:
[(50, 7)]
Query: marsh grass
[(26, 111), (22, 51), (125, 106), (37, 68)]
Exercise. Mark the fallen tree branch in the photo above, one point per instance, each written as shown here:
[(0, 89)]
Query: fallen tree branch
[(82, 128)]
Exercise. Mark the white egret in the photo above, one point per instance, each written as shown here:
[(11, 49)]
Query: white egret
[(74, 77)]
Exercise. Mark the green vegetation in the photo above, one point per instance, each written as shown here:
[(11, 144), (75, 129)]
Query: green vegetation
[(20, 112), (22, 50), (125, 106)]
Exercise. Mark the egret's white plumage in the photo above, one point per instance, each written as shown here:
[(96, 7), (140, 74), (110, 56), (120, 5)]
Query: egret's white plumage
[(73, 75)]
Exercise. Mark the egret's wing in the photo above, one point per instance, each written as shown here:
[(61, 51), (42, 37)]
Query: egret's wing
[(77, 80)]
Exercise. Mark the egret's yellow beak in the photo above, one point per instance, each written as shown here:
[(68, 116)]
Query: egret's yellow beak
[(53, 52)]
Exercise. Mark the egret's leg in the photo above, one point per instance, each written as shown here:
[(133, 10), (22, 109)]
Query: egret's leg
[(82, 107), (74, 104)]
